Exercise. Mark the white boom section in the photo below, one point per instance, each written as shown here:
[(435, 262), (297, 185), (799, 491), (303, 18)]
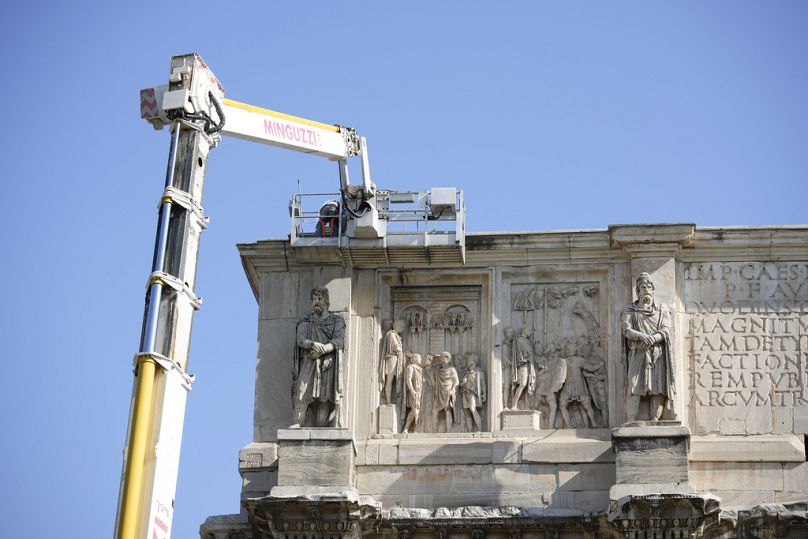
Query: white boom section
[(257, 124)]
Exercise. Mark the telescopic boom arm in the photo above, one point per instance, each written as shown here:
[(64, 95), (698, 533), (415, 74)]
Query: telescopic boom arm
[(193, 105)]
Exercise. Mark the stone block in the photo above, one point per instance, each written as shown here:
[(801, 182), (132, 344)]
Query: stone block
[(338, 283), (520, 419), (279, 293), (782, 420), (273, 377), (523, 478), (739, 476), (364, 293), (801, 420), (586, 476), (315, 458), (388, 419), (591, 501), (443, 451), (375, 480), (506, 452), (732, 426), (744, 498), (258, 456), (795, 478), (567, 449), (765, 448), (258, 483), (651, 454), (388, 452)]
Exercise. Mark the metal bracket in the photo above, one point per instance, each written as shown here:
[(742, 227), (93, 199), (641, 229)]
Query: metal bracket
[(167, 364), (352, 142), (181, 198), (169, 280)]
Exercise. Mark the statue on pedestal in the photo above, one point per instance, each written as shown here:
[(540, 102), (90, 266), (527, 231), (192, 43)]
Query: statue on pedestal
[(648, 351), (317, 365)]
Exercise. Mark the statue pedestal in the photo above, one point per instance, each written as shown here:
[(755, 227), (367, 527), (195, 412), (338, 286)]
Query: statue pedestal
[(520, 419), (315, 461), (652, 491), (388, 419), (650, 458)]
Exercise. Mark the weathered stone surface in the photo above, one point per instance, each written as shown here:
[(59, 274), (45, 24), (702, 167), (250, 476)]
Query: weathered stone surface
[(258, 455), (566, 447), (747, 326), (739, 476), (444, 452), (506, 452), (388, 419), (279, 295), (765, 448), (586, 476), (315, 458), (651, 455), (273, 378)]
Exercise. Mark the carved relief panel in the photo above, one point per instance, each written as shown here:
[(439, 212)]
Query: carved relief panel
[(553, 354), (443, 388)]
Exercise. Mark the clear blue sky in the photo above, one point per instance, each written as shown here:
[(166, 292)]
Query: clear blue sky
[(549, 115)]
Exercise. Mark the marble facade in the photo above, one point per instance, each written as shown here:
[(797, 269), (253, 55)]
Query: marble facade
[(522, 429)]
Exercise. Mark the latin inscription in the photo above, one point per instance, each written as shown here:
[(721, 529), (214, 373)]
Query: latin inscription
[(748, 346)]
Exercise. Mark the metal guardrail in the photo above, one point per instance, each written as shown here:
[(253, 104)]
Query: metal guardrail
[(408, 215)]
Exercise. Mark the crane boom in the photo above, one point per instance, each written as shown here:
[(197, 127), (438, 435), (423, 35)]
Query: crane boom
[(192, 104)]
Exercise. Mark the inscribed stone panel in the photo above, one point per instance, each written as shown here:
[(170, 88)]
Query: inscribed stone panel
[(748, 344)]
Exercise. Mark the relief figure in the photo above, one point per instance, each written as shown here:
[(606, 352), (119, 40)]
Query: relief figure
[(522, 373), (413, 391), (551, 373), (472, 388), (445, 395), (575, 388), (391, 365), (507, 362)]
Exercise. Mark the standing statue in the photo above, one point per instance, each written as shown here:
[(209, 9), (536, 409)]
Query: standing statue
[(391, 366), (430, 388), (472, 387), (445, 398), (317, 365), (414, 390), (522, 370), (647, 347)]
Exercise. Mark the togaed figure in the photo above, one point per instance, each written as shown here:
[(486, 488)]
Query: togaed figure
[(317, 365), (472, 389), (647, 348), (391, 366), (445, 395)]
